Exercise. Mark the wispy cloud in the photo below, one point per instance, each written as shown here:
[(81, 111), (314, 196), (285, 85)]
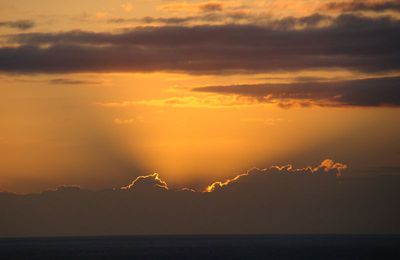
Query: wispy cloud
[(66, 81), (19, 24), (205, 6), (358, 5), (370, 92), (206, 101)]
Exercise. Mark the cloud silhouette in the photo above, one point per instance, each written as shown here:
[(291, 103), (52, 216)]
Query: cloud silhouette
[(276, 200), (368, 92), (151, 181), (327, 167), (350, 42)]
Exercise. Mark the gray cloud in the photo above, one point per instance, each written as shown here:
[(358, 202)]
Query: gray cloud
[(150, 19), (271, 200), (327, 168), (358, 5), (233, 18), (64, 81), (363, 92), (20, 24), (211, 7), (211, 12), (349, 42)]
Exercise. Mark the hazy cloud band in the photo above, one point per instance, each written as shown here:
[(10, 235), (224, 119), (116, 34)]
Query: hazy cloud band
[(363, 92)]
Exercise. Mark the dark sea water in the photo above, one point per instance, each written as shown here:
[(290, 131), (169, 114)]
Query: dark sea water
[(203, 247)]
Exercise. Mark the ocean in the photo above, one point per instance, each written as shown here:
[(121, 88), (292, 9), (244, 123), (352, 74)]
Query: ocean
[(204, 247)]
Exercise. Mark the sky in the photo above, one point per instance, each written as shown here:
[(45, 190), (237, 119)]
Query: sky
[(95, 94)]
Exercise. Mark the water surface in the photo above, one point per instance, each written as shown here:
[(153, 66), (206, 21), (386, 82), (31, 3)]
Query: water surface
[(204, 247)]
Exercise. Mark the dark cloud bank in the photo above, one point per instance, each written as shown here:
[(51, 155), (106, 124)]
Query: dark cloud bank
[(349, 42), (274, 200), (364, 92)]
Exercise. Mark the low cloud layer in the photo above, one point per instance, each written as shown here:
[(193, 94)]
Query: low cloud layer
[(348, 42), (364, 92), (274, 200), (327, 168)]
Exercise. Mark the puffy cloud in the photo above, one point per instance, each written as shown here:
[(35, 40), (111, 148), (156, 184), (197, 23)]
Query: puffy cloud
[(220, 184), (349, 42), (327, 168), (383, 91), (330, 166), (147, 182)]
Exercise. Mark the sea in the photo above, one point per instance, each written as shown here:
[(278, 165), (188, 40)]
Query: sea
[(204, 247)]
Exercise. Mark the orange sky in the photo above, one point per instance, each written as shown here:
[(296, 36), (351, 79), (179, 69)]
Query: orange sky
[(103, 128)]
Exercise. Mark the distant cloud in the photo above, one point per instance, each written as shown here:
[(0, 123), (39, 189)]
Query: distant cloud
[(211, 7), (362, 5), (205, 6), (20, 24), (152, 20), (206, 18), (219, 184), (66, 188), (210, 101), (369, 92), (276, 200), (327, 167), (219, 18), (65, 81), (348, 42), (204, 101), (147, 182)]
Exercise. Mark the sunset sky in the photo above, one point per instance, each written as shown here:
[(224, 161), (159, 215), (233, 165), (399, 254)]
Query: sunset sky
[(95, 93)]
